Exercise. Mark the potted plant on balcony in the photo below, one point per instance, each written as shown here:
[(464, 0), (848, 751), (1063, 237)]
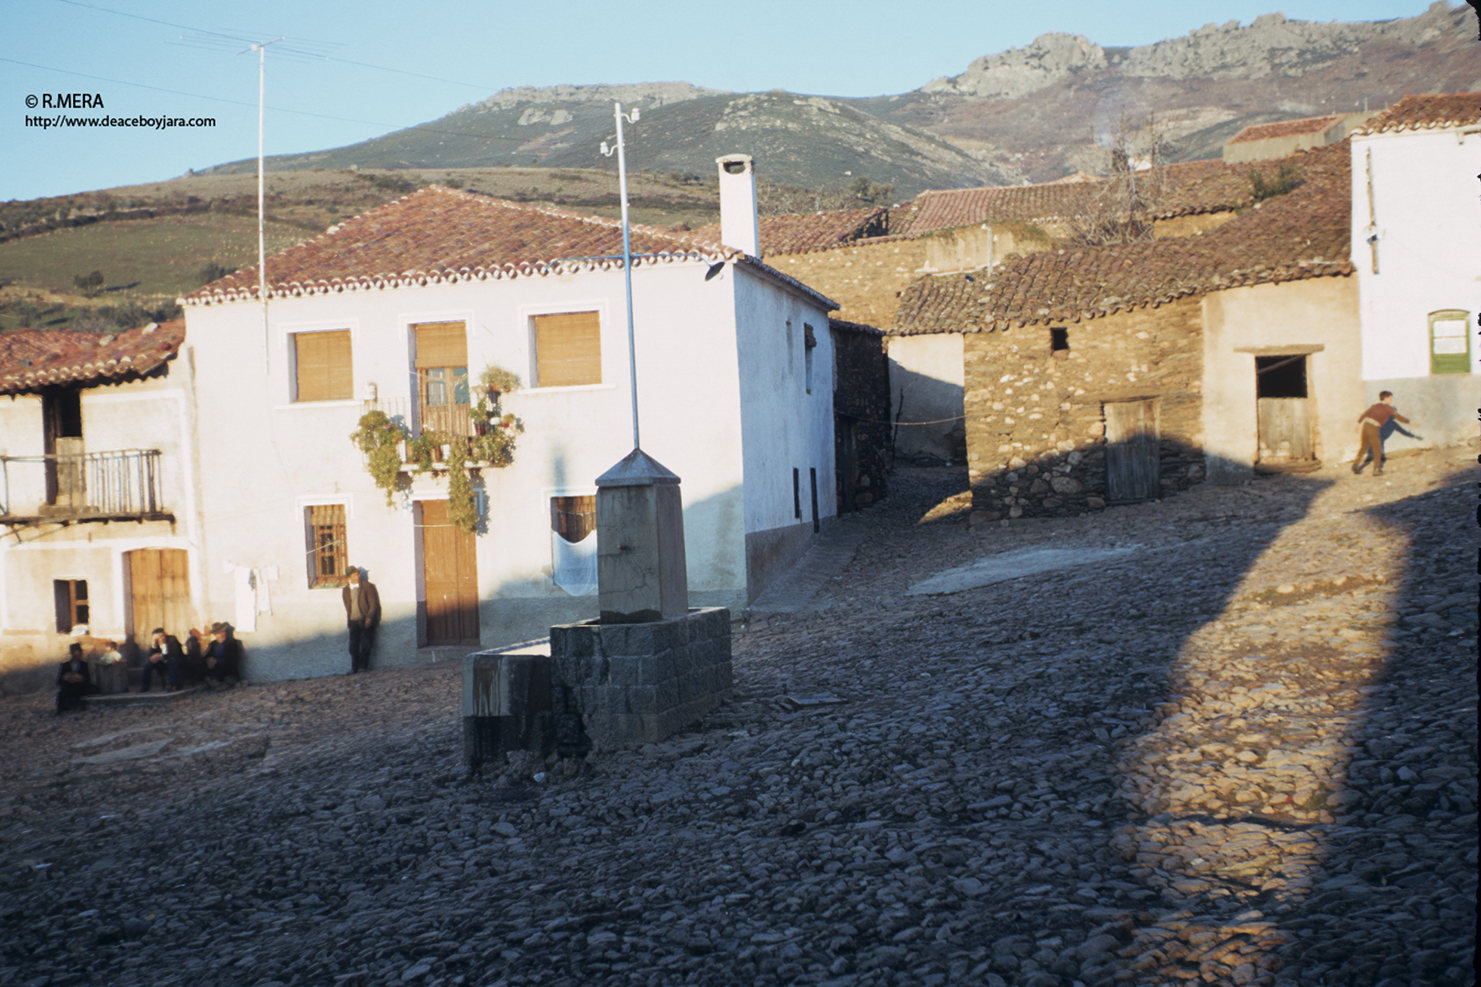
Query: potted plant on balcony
[(498, 380), (379, 437)]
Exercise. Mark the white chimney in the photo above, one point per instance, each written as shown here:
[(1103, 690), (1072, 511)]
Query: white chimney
[(738, 225)]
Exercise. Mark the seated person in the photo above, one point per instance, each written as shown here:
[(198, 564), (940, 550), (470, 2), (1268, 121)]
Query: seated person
[(193, 669), (163, 660), (73, 680), (223, 657)]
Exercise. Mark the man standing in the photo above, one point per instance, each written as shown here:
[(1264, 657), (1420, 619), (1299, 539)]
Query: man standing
[(363, 612), (1372, 422)]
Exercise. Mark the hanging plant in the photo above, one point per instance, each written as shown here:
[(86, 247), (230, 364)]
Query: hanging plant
[(461, 510), (495, 446), (498, 380), (378, 436), (421, 450)]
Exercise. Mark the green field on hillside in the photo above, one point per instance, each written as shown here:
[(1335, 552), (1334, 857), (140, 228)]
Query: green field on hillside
[(141, 260)]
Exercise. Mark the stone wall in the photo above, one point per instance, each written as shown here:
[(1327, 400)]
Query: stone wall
[(861, 410), (1036, 420), (865, 280), (640, 683)]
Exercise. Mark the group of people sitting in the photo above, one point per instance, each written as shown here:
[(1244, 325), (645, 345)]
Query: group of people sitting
[(212, 658)]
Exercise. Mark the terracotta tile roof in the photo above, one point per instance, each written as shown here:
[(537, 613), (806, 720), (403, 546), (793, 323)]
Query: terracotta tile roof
[(1427, 113), (949, 208), (34, 358), (1302, 234), (439, 235), (804, 232), (1212, 186), (1286, 128)]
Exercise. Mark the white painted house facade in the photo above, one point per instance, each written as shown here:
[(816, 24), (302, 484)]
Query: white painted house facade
[(99, 533), (399, 310), (1416, 224)]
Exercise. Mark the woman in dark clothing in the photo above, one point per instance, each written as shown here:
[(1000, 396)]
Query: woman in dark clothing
[(73, 681)]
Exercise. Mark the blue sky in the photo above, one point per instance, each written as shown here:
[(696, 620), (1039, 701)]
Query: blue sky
[(350, 71)]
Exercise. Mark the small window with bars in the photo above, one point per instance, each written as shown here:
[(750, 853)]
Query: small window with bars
[(327, 554)]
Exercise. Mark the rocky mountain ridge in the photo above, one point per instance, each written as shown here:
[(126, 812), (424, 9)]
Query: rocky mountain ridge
[(1270, 45)]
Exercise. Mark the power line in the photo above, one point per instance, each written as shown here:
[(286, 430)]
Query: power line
[(238, 102), (213, 36)]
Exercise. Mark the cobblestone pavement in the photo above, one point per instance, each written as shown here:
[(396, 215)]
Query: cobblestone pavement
[(1244, 753)]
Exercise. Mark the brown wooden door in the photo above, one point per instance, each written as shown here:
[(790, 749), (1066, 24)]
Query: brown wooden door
[(1132, 472), (450, 575), (159, 593), (1285, 430)]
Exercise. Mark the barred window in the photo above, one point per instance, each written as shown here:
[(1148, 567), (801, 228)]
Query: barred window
[(573, 518), (327, 555)]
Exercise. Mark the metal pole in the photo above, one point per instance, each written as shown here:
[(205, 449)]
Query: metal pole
[(627, 270), (261, 205)]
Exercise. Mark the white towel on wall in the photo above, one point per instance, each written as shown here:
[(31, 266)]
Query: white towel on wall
[(574, 564)]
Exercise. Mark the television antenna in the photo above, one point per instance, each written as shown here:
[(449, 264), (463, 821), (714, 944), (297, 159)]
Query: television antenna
[(261, 49)]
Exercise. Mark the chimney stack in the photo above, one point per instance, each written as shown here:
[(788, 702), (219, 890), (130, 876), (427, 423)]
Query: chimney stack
[(739, 227)]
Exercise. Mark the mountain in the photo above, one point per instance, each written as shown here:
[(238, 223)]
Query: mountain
[(1044, 109), (806, 141)]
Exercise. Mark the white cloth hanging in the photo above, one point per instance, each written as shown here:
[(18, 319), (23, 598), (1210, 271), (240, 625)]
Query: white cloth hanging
[(574, 567)]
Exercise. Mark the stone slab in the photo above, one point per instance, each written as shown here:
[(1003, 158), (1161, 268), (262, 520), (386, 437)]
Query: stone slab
[(120, 699)]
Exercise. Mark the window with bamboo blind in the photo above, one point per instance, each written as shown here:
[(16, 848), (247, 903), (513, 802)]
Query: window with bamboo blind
[(327, 553), (568, 349), (442, 377), (573, 518), (323, 366)]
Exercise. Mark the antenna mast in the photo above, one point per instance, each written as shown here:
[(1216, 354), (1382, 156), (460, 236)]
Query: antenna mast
[(261, 50)]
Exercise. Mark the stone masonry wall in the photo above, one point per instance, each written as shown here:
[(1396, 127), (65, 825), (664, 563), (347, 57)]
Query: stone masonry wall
[(1036, 420), (865, 280)]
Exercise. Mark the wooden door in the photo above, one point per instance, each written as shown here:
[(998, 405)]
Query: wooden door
[(1285, 430), (159, 593), (450, 575), (1132, 472)]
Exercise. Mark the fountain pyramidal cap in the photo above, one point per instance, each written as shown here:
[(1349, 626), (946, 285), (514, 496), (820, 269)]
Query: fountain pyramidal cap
[(641, 573)]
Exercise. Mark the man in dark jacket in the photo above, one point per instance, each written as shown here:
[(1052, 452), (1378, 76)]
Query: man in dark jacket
[(362, 613), (164, 660), (223, 657), (1372, 422), (73, 681)]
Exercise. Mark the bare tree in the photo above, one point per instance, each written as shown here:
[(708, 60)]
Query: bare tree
[(1120, 207)]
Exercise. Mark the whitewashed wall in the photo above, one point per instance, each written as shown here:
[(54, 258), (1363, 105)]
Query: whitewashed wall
[(265, 459), (1428, 222)]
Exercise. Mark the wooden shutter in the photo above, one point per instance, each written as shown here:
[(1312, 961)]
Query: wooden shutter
[(442, 344), (324, 370), (568, 349)]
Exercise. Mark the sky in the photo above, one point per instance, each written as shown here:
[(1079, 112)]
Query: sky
[(346, 72)]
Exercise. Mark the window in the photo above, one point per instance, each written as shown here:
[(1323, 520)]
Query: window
[(1450, 342), (323, 366), (71, 595), (568, 349), (327, 554), (573, 549), (1059, 341), (573, 518), (442, 377)]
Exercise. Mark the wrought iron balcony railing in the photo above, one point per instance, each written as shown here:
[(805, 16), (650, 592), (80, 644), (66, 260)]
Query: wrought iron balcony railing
[(121, 485)]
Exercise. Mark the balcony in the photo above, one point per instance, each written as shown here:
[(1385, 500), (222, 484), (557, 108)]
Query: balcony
[(92, 486), (448, 420)]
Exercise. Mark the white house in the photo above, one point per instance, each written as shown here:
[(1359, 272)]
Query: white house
[(1416, 237), (100, 534), (400, 310)]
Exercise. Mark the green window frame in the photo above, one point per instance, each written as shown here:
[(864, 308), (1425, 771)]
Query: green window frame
[(1450, 341)]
